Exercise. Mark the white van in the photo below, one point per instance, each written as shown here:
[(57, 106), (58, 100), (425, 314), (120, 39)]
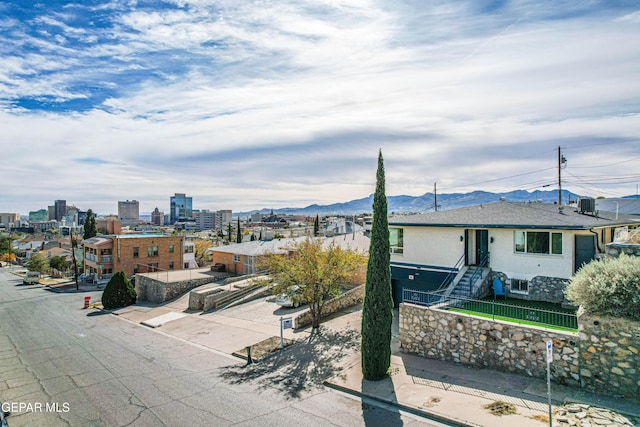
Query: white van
[(31, 278)]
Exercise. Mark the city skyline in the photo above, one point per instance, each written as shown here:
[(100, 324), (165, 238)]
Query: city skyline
[(257, 105)]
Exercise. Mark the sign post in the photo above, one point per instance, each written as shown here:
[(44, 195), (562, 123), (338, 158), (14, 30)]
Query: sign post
[(549, 360), (285, 323)]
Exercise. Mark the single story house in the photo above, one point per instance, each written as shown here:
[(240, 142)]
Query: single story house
[(532, 247), (242, 258)]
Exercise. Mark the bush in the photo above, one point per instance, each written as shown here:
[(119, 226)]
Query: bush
[(608, 287), (119, 292)]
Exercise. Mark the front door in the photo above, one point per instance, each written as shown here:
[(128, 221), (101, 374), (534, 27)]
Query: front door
[(585, 250), (482, 245)]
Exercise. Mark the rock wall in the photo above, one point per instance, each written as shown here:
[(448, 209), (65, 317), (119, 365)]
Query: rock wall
[(541, 288), (348, 299), (149, 289), (459, 338), (603, 356), (610, 359), (615, 249)]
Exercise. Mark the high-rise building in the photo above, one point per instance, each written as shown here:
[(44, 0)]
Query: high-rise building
[(223, 217), (60, 209), (180, 207), (39, 215), (129, 210), (205, 220), (157, 217)]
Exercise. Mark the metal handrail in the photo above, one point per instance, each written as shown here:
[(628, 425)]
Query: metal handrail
[(483, 263), (456, 268)]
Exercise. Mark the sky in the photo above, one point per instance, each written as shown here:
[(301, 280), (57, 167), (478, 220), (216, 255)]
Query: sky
[(267, 103)]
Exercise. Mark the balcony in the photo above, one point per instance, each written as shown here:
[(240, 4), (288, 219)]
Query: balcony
[(106, 259)]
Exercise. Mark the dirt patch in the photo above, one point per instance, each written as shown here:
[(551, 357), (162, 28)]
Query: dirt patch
[(261, 349), (501, 408)]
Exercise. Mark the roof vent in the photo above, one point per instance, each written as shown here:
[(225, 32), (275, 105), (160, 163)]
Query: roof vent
[(587, 205)]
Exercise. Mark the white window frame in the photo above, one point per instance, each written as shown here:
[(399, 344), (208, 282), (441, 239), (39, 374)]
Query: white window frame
[(236, 257), (397, 249), (525, 243), (519, 283)]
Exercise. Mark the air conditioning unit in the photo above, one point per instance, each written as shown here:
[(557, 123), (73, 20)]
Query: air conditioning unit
[(587, 204)]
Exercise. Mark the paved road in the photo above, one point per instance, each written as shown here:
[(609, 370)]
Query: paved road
[(61, 365)]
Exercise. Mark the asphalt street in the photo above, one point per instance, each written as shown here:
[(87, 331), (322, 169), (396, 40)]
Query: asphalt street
[(63, 365)]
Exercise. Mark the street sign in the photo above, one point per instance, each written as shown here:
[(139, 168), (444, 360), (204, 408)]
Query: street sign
[(287, 323), (549, 351)]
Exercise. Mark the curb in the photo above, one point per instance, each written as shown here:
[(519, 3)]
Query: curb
[(415, 411)]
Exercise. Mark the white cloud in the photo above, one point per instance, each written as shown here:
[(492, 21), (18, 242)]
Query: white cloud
[(251, 104)]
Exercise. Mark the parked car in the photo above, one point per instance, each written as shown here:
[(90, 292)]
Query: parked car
[(31, 278), (291, 299)]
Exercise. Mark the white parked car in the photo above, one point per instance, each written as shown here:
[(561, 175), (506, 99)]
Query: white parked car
[(289, 300)]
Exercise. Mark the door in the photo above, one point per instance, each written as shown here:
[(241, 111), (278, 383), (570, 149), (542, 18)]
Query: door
[(585, 251), (482, 244)]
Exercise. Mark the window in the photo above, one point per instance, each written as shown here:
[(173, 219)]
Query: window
[(188, 249), (136, 269), (152, 251), (171, 248), (396, 240), (519, 285), (135, 252), (170, 265), (236, 258), (538, 242)]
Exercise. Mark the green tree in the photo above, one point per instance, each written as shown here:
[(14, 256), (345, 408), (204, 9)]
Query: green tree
[(38, 263), (6, 246), (229, 232), (377, 309), (312, 273), (59, 263), (316, 226), (90, 225), (238, 233), (119, 292), (610, 287)]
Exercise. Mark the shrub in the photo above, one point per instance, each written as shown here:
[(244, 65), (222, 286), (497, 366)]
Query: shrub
[(610, 286), (119, 292)]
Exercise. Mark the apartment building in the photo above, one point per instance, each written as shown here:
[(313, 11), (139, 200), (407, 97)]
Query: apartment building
[(132, 253)]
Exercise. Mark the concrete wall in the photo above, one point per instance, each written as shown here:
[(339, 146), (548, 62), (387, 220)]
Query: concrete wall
[(602, 357), (348, 299)]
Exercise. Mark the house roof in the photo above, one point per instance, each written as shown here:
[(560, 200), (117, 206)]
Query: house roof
[(351, 241), (516, 215)]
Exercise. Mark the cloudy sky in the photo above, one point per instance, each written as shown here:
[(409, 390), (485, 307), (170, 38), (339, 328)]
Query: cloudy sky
[(273, 103)]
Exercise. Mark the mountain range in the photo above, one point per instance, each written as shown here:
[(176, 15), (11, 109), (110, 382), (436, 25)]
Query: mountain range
[(424, 203)]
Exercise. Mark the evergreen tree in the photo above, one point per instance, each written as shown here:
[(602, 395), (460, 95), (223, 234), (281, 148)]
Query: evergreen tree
[(119, 292), (239, 233), (316, 226), (90, 225), (229, 232), (377, 309)]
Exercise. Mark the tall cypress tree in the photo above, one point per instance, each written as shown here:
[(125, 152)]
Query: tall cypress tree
[(239, 235), (316, 226), (377, 309), (90, 225)]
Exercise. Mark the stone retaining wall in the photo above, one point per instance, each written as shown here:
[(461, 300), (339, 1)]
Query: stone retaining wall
[(459, 338), (348, 299), (615, 249), (541, 288), (156, 291), (610, 360), (602, 357)]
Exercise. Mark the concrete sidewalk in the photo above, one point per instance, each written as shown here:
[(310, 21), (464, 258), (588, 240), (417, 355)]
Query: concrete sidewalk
[(452, 393)]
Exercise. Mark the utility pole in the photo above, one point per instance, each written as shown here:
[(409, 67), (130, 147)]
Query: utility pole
[(435, 197), (561, 161), (73, 257)]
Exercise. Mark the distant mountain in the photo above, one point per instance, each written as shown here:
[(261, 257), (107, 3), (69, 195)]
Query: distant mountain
[(424, 203)]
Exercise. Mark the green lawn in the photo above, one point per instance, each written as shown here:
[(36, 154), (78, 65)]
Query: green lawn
[(535, 313)]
